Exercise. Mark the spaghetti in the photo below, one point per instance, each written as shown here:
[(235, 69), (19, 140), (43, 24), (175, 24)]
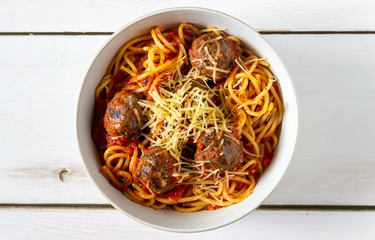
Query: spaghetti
[(187, 105)]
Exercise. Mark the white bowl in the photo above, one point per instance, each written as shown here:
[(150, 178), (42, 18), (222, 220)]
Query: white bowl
[(171, 220)]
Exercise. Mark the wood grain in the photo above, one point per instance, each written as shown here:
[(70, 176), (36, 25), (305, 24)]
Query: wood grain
[(43, 76), (108, 15), (334, 77), (102, 224)]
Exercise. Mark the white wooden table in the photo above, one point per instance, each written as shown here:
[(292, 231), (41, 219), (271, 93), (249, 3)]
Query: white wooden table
[(327, 193)]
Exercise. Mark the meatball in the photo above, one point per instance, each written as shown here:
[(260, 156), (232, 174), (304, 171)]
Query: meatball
[(222, 152), (155, 169), (207, 51), (123, 116)]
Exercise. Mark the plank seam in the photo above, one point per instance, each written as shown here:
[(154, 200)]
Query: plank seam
[(320, 208), (263, 32), (54, 33), (315, 32)]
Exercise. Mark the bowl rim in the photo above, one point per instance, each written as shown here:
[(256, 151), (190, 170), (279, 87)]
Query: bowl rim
[(78, 108)]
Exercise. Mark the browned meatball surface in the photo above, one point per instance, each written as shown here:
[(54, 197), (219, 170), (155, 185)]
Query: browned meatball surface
[(155, 169), (123, 116), (208, 51), (222, 152)]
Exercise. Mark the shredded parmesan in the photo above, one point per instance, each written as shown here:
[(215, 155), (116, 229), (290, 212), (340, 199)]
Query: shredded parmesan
[(217, 69), (241, 65), (175, 116), (254, 60), (209, 41), (178, 112), (213, 29)]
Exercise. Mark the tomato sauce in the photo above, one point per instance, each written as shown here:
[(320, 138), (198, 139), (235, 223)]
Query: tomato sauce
[(213, 207), (99, 135), (116, 141), (175, 194), (267, 159), (99, 132)]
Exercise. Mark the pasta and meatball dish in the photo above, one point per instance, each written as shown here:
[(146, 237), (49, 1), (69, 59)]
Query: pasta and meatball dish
[(186, 118)]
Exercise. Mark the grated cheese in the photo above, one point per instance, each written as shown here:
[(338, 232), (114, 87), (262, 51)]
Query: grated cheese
[(254, 60), (175, 116), (209, 41), (217, 69), (213, 29), (241, 65)]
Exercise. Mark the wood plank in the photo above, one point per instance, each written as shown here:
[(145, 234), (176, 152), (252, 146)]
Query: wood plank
[(334, 160), (333, 164), (99, 224), (108, 15), (43, 76)]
